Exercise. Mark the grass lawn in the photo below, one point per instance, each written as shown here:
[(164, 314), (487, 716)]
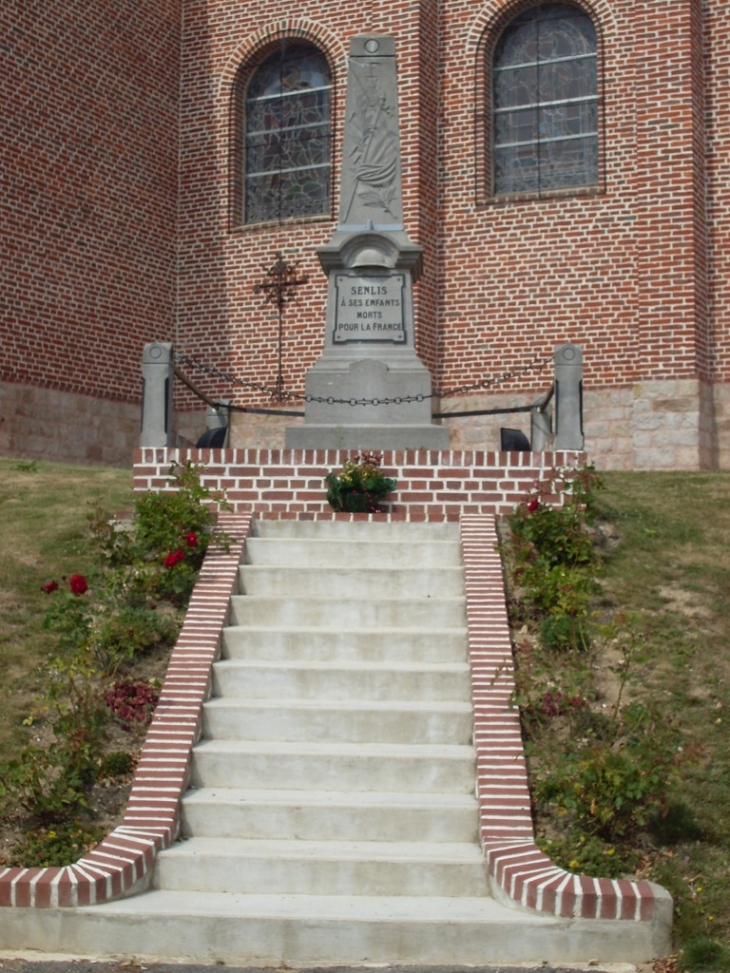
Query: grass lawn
[(671, 571), (43, 534)]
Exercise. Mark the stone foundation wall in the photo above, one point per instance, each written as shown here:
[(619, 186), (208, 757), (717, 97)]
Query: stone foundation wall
[(677, 425), (43, 423), (671, 425)]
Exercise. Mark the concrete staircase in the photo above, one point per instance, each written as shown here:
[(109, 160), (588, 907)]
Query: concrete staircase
[(332, 819), (337, 757)]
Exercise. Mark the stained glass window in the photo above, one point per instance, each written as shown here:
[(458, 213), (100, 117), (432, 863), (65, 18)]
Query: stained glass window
[(545, 101), (287, 140)]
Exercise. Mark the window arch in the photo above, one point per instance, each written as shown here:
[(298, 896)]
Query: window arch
[(545, 102), (286, 135)]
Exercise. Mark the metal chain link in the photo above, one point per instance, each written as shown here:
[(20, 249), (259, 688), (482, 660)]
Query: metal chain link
[(486, 383)]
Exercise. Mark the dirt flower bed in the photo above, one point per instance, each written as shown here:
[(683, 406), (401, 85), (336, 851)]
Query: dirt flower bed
[(114, 630)]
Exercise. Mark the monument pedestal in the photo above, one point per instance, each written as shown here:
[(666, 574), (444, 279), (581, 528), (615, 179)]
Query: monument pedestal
[(368, 404), (367, 437)]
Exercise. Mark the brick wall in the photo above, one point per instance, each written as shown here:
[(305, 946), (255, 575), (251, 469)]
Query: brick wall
[(88, 162), (635, 270), (622, 269)]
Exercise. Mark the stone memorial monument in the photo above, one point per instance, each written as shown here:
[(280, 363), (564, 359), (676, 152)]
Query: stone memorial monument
[(369, 351)]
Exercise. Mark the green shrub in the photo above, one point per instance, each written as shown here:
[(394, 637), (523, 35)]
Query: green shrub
[(119, 763), (703, 953), (60, 845), (590, 855), (132, 631), (610, 789), (100, 625), (560, 633)]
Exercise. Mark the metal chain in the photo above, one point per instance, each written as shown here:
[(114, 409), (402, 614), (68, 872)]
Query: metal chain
[(486, 383)]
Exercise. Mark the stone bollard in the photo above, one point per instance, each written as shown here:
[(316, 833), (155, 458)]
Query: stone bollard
[(569, 397), (218, 416), (157, 376)]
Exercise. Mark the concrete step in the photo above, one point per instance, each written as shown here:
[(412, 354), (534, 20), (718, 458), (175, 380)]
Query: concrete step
[(351, 721), (275, 930), (328, 645), (389, 533), (342, 680), (346, 612), (366, 553), (340, 815), (322, 867), (351, 582), (327, 766)]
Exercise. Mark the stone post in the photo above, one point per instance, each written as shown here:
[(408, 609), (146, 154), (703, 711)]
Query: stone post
[(218, 416), (569, 397), (157, 376)]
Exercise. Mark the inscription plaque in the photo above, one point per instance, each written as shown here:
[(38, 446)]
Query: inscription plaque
[(369, 308)]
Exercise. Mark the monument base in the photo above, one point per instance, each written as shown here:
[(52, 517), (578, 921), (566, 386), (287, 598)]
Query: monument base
[(367, 437)]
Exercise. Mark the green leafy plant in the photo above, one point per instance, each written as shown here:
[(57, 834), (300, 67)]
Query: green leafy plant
[(610, 791), (35, 782), (590, 855), (360, 486), (562, 632), (159, 555), (604, 772), (58, 845), (132, 631), (27, 466)]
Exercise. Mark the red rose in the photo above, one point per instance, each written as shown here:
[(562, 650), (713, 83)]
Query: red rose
[(173, 558), (77, 583), (49, 586), (192, 539), (533, 505)]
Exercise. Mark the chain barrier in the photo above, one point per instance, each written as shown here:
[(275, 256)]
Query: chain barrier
[(283, 395)]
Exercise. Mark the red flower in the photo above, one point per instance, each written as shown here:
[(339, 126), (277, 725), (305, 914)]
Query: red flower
[(533, 505), (49, 586), (192, 539), (77, 583), (173, 558)]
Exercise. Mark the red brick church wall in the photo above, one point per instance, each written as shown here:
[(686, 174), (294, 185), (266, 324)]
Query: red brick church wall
[(622, 269), (117, 148), (88, 162)]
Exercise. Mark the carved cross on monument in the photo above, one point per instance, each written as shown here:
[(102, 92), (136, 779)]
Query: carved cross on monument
[(278, 288)]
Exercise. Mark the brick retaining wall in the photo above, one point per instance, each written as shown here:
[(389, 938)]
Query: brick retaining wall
[(289, 483)]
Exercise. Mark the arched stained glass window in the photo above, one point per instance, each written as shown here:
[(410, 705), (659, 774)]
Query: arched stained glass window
[(545, 101), (287, 136)]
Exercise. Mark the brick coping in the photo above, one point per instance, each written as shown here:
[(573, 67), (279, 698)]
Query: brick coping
[(519, 872)]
